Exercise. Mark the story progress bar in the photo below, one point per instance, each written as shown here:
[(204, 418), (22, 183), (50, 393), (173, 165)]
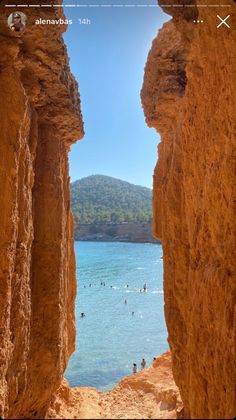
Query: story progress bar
[(117, 5)]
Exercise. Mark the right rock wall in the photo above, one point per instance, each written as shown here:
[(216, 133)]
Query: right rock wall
[(187, 96)]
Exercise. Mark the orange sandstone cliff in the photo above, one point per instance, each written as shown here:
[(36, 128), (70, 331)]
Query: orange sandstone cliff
[(149, 394), (187, 96), (40, 118)]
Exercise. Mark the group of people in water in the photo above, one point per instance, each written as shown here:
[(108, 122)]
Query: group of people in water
[(143, 365), (144, 289)]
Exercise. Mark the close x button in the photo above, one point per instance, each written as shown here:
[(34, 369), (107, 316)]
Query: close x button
[(223, 21)]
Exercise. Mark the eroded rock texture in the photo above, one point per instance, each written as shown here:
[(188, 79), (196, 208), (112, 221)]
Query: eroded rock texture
[(188, 97), (40, 119), (149, 394)]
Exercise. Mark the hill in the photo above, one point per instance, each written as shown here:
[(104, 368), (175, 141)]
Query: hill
[(100, 198)]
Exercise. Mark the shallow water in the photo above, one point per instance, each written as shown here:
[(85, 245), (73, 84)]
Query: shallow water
[(109, 338)]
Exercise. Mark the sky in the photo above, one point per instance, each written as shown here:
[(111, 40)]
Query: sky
[(107, 58)]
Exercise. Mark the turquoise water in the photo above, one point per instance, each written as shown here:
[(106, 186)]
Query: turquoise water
[(109, 338)]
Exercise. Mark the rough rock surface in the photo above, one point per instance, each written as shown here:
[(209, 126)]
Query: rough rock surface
[(40, 118), (187, 96), (149, 394)]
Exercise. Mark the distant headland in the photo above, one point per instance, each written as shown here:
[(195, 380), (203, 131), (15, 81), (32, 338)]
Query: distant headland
[(109, 209)]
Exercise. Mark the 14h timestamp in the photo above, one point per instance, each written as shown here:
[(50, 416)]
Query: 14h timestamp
[(84, 21)]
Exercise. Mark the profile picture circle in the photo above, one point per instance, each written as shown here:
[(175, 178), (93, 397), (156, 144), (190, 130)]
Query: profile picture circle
[(17, 21)]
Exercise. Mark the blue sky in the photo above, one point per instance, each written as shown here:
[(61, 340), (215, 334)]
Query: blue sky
[(107, 58)]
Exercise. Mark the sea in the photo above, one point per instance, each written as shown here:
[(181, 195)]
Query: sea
[(113, 334)]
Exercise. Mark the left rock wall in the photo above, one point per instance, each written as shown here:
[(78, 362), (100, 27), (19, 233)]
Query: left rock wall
[(40, 118)]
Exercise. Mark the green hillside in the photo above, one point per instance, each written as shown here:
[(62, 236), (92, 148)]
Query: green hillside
[(100, 198)]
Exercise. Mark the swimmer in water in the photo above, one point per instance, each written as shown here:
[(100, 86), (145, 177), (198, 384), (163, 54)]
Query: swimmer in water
[(125, 302), (133, 313), (82, 315)]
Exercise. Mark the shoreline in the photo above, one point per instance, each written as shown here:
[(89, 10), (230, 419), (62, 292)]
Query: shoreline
[(134, 232)]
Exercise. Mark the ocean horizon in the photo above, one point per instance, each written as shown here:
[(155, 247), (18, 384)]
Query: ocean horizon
[(122, 323)]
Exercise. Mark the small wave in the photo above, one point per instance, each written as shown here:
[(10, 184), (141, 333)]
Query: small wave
[(158, 291), (140, 268)]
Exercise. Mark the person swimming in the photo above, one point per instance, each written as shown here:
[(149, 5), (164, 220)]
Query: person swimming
[(82, 315), (133, 313), (125, 302), (145, 287)]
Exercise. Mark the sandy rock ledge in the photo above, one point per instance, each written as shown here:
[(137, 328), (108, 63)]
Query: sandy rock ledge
[(149, 394)]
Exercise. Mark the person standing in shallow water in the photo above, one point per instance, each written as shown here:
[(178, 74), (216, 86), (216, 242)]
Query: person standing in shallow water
[(143, 363), (134, 368)]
